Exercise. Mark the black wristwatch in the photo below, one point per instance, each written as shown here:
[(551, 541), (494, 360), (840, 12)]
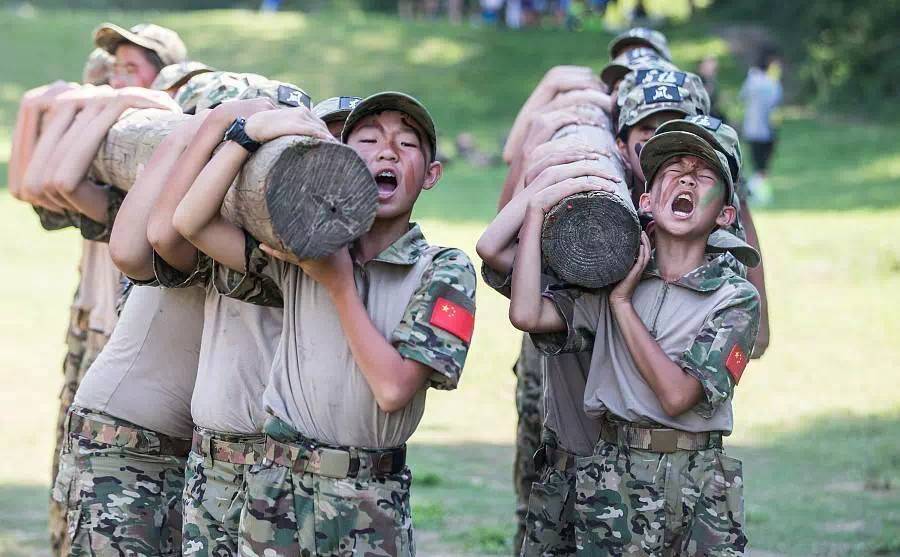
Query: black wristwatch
[(238, 134)]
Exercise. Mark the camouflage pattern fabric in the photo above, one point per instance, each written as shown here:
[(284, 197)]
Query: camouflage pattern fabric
[(550, 522), (637, 502), (51, 220), (76, 337), (215, 491), (128, 492), (253, 286), (206, 90), (640, 37), (530, 409), (290, 512), (448, 285), (97, 231)]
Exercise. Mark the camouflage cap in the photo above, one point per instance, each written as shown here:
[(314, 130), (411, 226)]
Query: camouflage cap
[(176, 75), (632, 60), (207, 90), (663, 146), (640, 36), (651, 90), (161, 40), (97, 68), (720, 135), (335, 108), (392, 100), (721, 241)]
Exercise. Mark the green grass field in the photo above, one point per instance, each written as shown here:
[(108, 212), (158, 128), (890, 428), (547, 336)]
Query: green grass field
[(817, 419)]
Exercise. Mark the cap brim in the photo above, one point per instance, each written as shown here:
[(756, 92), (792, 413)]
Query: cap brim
[(392, 100), (335, 115), (721, 241), (109, 36), (616, 46), (612, 73), (663, 146), (696, 129), (650, 110), (182, 78)]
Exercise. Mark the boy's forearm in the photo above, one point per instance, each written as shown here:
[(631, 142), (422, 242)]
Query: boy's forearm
[(512, 182), (528, 310), (497, 244), (128, 245), (393, 379), (166, 239), (677, 391)]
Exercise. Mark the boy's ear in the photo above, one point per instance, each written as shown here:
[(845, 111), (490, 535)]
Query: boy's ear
[(726, 216), (644, 203), (432, 174), (623, 151)]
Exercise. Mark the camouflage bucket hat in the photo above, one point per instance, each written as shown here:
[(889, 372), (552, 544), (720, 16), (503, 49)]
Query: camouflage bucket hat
[(663, 146), (161, 40), (208, 90), (335, 108), (97, 68), (640, 36), (176, 75), (624, 63), (392, 100), (720, 135), (721, 241)]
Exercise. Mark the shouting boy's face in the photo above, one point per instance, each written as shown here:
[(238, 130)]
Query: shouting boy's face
[(687, 198), (396, 152), (630, 149)]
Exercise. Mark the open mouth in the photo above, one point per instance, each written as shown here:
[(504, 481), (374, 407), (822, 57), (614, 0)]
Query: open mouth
[(683, 205), (387, 183)]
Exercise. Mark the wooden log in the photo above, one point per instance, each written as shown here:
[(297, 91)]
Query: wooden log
[(295, 193), (591, 239)]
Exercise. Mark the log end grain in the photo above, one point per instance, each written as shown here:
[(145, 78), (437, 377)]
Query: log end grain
[(321, 196), (591, 239)]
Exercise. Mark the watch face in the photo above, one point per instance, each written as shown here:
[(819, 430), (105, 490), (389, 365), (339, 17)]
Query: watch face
[(234, 128)]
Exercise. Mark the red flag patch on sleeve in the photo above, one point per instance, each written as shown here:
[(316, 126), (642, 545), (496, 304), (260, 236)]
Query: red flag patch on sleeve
[(736, 362), (453, 318)]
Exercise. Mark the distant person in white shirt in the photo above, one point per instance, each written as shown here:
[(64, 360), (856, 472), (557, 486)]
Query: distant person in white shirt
[(761, 94)]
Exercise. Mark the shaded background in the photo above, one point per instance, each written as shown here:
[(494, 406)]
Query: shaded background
[(817, 419)]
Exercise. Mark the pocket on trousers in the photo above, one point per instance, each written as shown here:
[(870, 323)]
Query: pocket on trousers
[(729, 486)]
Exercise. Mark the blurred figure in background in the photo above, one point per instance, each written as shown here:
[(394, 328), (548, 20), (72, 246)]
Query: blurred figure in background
[(708, 70), (761, 94)]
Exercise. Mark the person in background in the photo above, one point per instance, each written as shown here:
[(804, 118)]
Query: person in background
[(761, 94)]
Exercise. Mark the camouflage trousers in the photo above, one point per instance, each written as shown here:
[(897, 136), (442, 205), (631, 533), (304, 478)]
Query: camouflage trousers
[(638, 502), (550, 523), (215, 490), (530, 408), (292, 512), (83, 347), (127, 488)]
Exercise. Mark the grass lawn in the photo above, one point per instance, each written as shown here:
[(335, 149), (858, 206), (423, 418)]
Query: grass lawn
[(817, 419)]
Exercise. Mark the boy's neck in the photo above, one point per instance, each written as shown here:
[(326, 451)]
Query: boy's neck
[(677, 256), (383, 233)]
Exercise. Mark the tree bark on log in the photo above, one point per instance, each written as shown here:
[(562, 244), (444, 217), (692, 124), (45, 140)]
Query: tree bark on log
[(296, 194), (591, 239)]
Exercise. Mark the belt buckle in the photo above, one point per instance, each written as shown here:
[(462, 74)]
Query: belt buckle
[(663, 440), (333, 463)]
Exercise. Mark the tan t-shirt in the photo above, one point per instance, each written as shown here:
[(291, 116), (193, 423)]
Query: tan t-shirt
[(146, 372), (420, 297), (236, 350), (100, 286), (564, 376), (706, 322)]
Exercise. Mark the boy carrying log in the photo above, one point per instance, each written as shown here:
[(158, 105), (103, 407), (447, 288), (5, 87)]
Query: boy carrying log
[(366, 331), (668, 345), (236, 351)]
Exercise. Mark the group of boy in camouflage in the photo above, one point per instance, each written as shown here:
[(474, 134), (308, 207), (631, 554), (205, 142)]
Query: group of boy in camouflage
[(604, 464), (207, 424), (201, 420)]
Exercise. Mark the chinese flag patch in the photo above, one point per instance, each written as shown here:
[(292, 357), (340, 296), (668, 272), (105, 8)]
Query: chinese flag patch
[(453, 318), (736, 362)]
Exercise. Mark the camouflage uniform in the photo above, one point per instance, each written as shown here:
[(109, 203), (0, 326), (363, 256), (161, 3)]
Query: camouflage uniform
[(529, 407), (294, 507), (208, 89), (82, 347), (214, 491), (640, 502), (127, 486)]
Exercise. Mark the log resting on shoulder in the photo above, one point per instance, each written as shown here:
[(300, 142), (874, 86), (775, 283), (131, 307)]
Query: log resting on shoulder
[(296, 194), (591, 239)]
